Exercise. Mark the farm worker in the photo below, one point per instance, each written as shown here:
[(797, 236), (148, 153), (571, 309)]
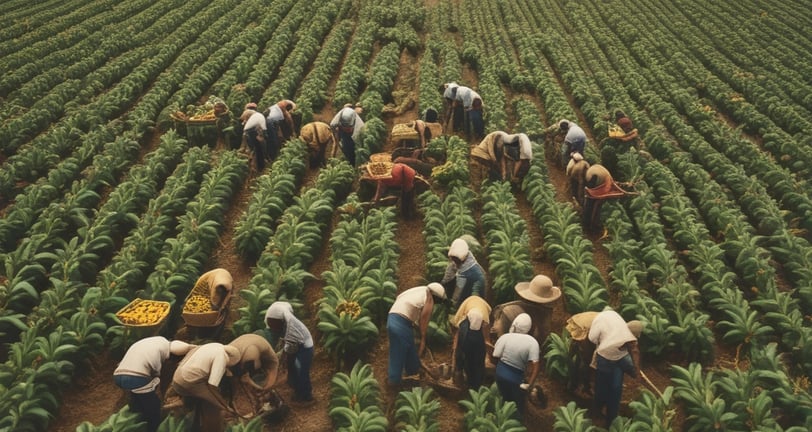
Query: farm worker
[(574, 139), (518, 149), (139, 374), (616, 353), (576, 173), (599, 187), (297, 351), (454, 112), (402, 177), (583, 350), (318, 135), (347, 123), (622, 120), (254, 130), (470, 326), (198, 377), (280, 126), (412, 308), (537, 298), (490, 154), (472, 105), (513, 353), (225, 123), (257, 358), (218, 283), (466, 273)]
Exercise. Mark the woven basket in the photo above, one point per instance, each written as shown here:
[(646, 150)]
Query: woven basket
[(210, 318), (379, 170), (161, 307), (380, 157), (404, 131)]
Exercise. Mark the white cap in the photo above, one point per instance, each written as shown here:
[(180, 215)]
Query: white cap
[(521, 324), (459, 249), (437, 290)]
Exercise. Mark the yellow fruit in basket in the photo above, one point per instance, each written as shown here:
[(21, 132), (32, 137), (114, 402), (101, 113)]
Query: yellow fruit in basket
[(197, 304), (143, 313)]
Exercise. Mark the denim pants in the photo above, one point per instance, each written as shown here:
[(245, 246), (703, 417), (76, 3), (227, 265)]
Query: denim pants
[(470, 356), (147, 405), (299, 373), (347, 146), (508, 379), (402, 349), (609, 384)]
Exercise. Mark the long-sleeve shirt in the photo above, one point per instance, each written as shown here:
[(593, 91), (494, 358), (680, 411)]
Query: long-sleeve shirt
[(467, 96), (296, 333)]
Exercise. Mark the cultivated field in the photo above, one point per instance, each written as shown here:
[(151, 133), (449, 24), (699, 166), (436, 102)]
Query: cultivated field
[(105, 196)]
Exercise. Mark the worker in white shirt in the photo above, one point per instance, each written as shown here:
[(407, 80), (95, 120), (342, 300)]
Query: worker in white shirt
[(139, 374)]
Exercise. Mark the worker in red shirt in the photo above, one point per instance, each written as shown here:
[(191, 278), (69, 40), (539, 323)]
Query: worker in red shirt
[(402, 176)]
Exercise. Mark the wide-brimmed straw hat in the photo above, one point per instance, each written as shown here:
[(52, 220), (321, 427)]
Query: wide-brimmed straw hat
[(538, 290)]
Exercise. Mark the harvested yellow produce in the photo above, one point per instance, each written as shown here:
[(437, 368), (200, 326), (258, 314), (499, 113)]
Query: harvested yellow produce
[(143, 312), (349, 307), (205, 116), (197, 304)]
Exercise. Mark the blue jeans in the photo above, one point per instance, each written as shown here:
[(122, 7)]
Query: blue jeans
[(508, 379), (471, 354), (609, 384), (147, 405), (347, 146), (402, 349), (299, 373)]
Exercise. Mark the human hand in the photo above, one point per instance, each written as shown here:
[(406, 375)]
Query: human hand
[(524, 386)]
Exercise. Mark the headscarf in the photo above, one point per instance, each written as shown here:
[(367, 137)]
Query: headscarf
[(279, 310), (459, 249), (521, 324), (233, 354)]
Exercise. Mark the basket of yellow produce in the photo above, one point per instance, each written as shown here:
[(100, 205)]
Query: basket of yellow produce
[(144, 314), (379, 170), (198, 311)]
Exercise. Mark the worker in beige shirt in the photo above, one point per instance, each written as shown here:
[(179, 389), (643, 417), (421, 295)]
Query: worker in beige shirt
[(470, 326), (198, 377)]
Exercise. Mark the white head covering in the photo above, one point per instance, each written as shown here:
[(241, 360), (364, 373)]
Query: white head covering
[(459, 249), (279, 310), (521, 324), (474, 319), (437, 290)]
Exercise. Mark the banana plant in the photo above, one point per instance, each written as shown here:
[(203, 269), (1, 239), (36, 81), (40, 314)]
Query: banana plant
[(570, 418), (416, 410), (354, 400), (123, 420)]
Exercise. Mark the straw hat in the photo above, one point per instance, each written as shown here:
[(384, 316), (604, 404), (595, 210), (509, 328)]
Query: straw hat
[(539, 290)]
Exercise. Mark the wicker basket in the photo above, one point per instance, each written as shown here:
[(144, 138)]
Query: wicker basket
[(404, 131), (210, 318), (380, 157), (158, 309), (379, 170)]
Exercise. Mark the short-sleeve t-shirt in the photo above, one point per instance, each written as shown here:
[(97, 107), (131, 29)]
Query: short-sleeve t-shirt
[(516, 349)]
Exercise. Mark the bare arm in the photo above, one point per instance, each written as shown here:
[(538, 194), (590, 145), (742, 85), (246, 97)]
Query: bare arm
[(534, 371)]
